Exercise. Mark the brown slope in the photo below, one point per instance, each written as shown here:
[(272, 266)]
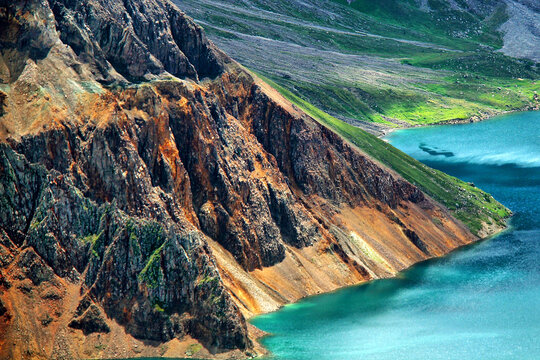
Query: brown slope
[(161, 208)]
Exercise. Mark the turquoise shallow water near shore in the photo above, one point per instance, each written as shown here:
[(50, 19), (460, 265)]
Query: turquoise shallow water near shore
[(480, 302)]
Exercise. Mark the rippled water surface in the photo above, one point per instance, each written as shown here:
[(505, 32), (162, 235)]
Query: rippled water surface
[(480, 302)]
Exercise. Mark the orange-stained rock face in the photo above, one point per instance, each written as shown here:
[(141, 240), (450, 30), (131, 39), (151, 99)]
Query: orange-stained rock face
[(167, 210)]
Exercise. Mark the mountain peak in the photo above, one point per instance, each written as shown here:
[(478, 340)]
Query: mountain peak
[(133, 40)]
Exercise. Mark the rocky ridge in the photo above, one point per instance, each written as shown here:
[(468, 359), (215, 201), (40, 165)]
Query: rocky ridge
[(155, 193)]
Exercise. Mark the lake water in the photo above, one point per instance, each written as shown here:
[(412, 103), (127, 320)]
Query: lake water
[(480, 302)]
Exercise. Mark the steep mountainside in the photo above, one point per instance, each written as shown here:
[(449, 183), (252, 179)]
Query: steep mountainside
[(388, 63), (153, 194)]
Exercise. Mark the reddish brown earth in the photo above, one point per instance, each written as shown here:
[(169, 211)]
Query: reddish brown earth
[(154, 194)]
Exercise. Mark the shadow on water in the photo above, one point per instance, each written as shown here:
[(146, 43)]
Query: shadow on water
[(490, 175), (435, 151)]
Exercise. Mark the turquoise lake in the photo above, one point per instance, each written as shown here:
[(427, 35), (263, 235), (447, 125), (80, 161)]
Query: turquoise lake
[(480, 302)]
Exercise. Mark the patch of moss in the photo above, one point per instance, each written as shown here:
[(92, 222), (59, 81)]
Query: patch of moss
[(208, 279), (193, 349), (145, 238), (91, 239), (151, 274)]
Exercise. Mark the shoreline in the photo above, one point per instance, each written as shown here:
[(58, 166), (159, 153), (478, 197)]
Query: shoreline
[(500, 231), (445, 277), (507, 226), (263, 334), (473, 119)]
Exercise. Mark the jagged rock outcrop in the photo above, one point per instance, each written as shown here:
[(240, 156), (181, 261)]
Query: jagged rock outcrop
[(89, 319), (143, 203)]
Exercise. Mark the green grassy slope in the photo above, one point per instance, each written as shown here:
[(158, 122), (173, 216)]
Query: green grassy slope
[(466, 202), (385, 62), (450, 25)]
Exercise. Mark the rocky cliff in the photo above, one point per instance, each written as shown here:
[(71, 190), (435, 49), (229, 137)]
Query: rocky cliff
[(153, 194)]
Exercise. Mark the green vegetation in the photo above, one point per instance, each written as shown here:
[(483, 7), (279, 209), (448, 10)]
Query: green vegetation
[(442, 22), (95, 241), (388, 62), (91, 239), (480, 62), (469, 204), (209, 279), (454, 97), (193, 349), (151, 274), (146, 237)]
